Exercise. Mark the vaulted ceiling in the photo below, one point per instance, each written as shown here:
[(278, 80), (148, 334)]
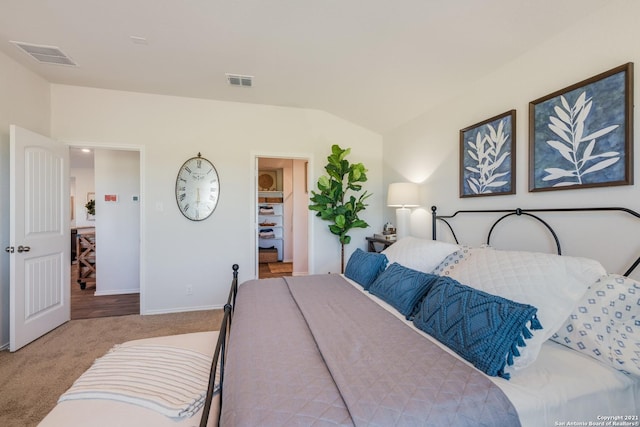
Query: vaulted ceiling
[(377, 63)]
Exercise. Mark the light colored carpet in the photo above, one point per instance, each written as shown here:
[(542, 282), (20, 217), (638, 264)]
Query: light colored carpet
[(35, 376), (280, 267)]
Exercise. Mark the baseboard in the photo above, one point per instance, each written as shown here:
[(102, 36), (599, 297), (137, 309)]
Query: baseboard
[(4, 347), (117, 292), (183, 309)]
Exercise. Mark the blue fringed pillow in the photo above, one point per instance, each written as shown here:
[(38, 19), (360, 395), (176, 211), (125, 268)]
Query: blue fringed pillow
[(484, 329), (402, 287), (364, 267)]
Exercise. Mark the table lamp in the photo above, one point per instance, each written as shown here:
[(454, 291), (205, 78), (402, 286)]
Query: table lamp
[(403, 195)]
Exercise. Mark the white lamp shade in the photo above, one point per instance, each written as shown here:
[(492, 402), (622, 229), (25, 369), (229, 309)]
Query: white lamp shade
[(403, 194)]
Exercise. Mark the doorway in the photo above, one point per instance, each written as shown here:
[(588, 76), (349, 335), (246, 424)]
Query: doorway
[(281, 220), (105, 270)]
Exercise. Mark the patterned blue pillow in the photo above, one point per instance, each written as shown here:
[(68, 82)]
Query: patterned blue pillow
[(484, 329), (402, 287), (606, 324), (363, 267), (451, 261)]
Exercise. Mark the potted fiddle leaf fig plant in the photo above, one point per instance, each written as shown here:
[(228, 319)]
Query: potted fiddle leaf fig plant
[(336, 201)]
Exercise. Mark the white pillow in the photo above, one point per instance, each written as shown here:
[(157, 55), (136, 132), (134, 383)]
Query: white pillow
[(419, 254), (552, 283), (606, 324)]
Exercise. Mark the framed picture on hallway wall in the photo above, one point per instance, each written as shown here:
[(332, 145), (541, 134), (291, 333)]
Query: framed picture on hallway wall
[(487, 157), (581, 136), (90, 206)]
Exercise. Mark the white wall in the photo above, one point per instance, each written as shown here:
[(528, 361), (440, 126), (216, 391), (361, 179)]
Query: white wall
[(176, 252), (117, 172), (427, 148), (84, 184), (24, 101)]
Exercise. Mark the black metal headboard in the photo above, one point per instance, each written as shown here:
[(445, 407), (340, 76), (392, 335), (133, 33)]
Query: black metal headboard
[(529, 213)]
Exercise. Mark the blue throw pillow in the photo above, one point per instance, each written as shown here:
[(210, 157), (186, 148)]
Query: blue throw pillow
[(484, 329), (402, 287), (363, 267)]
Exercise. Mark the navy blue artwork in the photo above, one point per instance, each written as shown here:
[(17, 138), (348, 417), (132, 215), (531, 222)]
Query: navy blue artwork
[(487, 162), (580, 136)]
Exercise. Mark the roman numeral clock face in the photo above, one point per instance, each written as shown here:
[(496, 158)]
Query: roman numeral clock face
[(197, 188)]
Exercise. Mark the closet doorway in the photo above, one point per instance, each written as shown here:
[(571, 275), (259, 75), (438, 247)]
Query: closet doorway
[(282, 216)]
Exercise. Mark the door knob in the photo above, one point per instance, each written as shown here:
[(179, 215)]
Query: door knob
[(23, 249), (9, 249)]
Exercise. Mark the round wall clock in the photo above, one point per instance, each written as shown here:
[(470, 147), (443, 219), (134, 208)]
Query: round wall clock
[(197, 188)]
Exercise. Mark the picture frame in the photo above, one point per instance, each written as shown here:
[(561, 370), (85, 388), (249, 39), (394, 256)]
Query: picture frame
[(91, 196), (582, 136), (487, 157)]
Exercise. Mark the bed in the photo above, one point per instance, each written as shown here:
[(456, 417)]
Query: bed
[(428, 332), (435, 333)]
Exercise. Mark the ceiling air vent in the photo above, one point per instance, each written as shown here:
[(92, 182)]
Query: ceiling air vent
[(45, 54), (240, 80)]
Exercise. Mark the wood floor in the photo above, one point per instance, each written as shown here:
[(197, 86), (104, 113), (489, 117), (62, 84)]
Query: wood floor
[(265, 273), (84, 305)]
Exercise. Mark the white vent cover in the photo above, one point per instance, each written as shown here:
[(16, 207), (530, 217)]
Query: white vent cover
[(240, 80), (45, 54)]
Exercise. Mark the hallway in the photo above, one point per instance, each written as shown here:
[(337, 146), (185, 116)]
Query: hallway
[(84, 305)]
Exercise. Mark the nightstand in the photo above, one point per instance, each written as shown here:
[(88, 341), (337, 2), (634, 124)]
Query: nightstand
[(378, 245)]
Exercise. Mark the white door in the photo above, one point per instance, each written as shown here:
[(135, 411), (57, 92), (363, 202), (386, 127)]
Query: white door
[(39, 250)]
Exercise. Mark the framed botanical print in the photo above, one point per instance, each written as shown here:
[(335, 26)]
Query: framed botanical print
[(582, 136), (90, 206), (487, 157)]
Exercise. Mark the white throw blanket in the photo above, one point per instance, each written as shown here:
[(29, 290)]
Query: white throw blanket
[(169, 380)]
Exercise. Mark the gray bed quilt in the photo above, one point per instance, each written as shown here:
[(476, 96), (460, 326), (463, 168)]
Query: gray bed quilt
[(315, 351)]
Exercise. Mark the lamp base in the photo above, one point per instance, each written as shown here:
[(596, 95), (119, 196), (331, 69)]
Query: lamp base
[(403, 222)]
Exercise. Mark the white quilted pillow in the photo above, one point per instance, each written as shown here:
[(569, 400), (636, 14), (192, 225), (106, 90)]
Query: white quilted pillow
[(606, 323), (552, 283), (419, 254)]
